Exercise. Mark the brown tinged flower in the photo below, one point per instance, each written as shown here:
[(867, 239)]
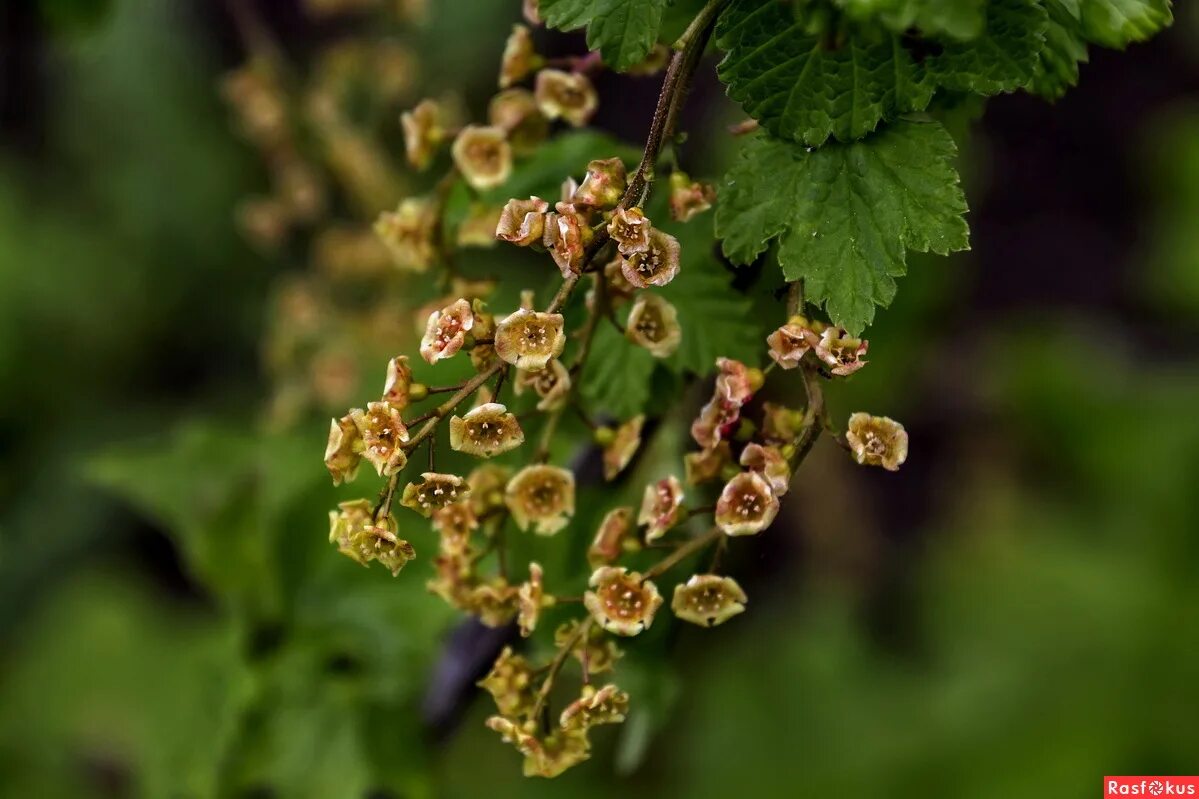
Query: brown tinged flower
[(399, 381), (604, 185), (656, 264), (520, 59), (541, 497), (544, 757), (483, 156), (522, 222), (624, 446), (346, 525), (487, 484), (747, 505), (433, 492), (708, 600), (791, 342), (630, 229), (408, 234), (654, 324), (423, 133), (493, 602), (707, 464), (517, 112), (736, 382), (608, 544), (622, 602), (769, 461), (566, 95), (596, 650), (530, 339), (363, 539), (454, 523), (689, 197), (479, 226), (566, 236), (510, 683), (485, 431), (661, 507), (551, 384), (530, 599), (781, 425), (841, 351), (383, 437), (446, 330), (877, 441), (343, 453), (608, 705)]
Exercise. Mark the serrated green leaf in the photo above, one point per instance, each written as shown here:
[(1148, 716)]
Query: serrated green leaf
[(958, 19), (622, 30), (1065, 47), (616, 379), (849, 212), (1118, 23), (801, 86), (1003, 58)]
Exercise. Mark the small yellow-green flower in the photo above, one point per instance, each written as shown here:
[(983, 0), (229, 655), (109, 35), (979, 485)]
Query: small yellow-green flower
[(485, 431), (708, 600), (877, 441), (747, 505), (541, 497), (621, 601), (383, 437), (433, 492)]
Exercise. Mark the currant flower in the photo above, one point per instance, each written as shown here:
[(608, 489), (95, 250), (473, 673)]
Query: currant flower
[(434, 492), (408, 234), (654, 324), (346, 525), (483, 156), (454, 524), (608, 705), (530, 339), (485, 431), (551, 384), (446, 330), (517, 112), (624, 445), (397, 388), (594, 649), (622, 602), (383, 437), (715, 421), (789, 343), (380, 543), (769, 461), (520, 59), (522, 222), (423, 133), (841, 351), (530, 599), (343, 452), (510, 683), (877, 441), (746, 505), (688, 197), (656, 265), (479, 226), (707, 464), (604, 185), (544, 757), (493, 602), (566, 95), (708, 600), (608, 544), (541, 497), (619, 287), (487, 483), (736, 382), (661, 507), (455, 578), (566, 237), (781, 425), (630, 229)]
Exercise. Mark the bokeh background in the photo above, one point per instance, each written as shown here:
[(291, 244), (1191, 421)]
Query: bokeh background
[(1013, 614)]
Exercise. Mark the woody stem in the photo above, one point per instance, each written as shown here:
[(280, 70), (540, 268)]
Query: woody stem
[(685, 551)]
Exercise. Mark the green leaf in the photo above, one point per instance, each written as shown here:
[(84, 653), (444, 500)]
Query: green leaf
[(1004, 58), (957, 19), (616, 379), (1118, 23), (1065, 47), (847, 213), (800, 86), (622, 30)]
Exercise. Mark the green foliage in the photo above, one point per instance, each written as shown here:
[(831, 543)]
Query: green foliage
[(1003, 58), (1118, 23), (1065, 48), (616, 378), (622, 30), (958, 19), (846, 213)]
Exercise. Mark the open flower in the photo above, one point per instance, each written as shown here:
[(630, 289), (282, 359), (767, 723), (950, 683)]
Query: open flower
[(433, 492), (483, 155), (493, 602), (608, 545), (551, 384), (517, 112), (485, 431), (541, 497), (708, 600), (383, 437), (530, 599), (736, 382), (707, 464), (747, 505), (604, 185), (772, 465), (522, 222), (630, 229), (446, 330), (423, 133), (487, 484), (661, 507), (363, 539), (689, 197), (544, 757), (791, 342), (520, 59), (510, 683), (566, 95), (841, 351), (346, 525), (715, 421), (399, 380), (565, 237), (530, 339), (622, 602), (454, 523), (654, 324), (608, 705), (342, 453), (656, 265), (408, 234), (877, 441), (624, 446), (596, 650)]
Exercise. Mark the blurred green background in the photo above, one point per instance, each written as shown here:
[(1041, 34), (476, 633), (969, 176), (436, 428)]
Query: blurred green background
[(1014, 614)]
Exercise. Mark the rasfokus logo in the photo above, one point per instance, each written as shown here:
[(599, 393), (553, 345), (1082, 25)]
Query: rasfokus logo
[(1150, 786)]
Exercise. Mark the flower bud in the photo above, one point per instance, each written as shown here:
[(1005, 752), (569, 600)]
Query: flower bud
[(688, 197), (604, 185)]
